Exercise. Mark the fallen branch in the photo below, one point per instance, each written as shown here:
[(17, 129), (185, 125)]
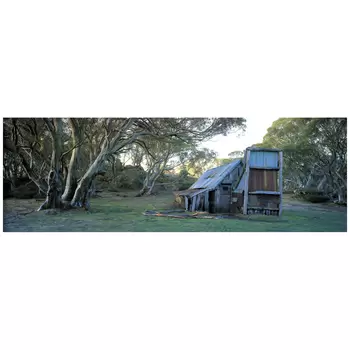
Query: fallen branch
[(185, 216)]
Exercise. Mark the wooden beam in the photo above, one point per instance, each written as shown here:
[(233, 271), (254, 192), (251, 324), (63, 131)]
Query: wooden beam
[(263, 149), (263, 167), (273, 193), (280, 181), (245, 200)]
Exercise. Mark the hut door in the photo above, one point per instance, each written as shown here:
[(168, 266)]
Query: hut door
[(225, 198), (211, 201)]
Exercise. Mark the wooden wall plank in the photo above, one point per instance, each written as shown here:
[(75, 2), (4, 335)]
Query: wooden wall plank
[(206, 201)]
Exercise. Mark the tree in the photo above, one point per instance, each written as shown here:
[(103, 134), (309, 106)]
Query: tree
[(222, 161), (164, 156), (55, 181), (201, 160), (166, 153), (27, 149), (236, 155), (77, 127), (93, 144), (314, 151)]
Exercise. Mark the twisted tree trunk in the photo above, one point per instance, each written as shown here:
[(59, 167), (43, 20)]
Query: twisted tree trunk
[(321, 186), (72, 176), (54, 192), (53, 196), (149, 183), (151, 178), (110, 146), (83, 191)]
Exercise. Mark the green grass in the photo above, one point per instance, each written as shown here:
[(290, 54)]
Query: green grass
[(126, 214)]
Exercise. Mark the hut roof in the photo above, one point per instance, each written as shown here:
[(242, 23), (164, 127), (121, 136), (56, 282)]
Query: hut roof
[(212, 177)]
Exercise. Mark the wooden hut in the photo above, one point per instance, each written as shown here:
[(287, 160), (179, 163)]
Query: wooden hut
[(260, 188), (251, 186), (212, 192)]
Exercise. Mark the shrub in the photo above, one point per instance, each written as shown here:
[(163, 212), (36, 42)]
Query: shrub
[(112, 188), (131, 178), (316, 198), (25, 192), (184, 183)]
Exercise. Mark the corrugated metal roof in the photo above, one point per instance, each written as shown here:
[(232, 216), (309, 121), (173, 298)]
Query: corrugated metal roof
[(262, 159), (212, 177)]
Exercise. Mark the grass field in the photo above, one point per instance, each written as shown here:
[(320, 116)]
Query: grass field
[(115, 213)]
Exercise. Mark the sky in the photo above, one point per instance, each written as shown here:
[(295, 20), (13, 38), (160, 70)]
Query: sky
[(255, 131)]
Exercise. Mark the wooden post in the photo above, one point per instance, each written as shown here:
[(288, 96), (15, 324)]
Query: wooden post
[(198, 202), (186, 203), (206, 201), (193, 206), (217, 200), (246, 185), (280, 182)]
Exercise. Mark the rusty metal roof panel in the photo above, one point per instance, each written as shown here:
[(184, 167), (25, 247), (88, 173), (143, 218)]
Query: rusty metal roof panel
[(212, 177)]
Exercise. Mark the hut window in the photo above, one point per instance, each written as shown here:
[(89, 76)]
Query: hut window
[(225, 188)]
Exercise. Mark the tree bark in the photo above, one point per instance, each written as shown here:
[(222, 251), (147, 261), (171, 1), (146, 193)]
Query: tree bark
[(310, 180), (341, 196), (151, 187), (83, 191), (72, 176), (320, 186), (341, 193), (54, 192), (154, 172), (150, 180)]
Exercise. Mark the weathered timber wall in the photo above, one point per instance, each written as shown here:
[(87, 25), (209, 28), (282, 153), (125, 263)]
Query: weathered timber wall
[(263, 201), (263, 180)]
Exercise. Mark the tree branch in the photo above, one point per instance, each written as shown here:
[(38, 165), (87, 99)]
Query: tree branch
[(71, 149)]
